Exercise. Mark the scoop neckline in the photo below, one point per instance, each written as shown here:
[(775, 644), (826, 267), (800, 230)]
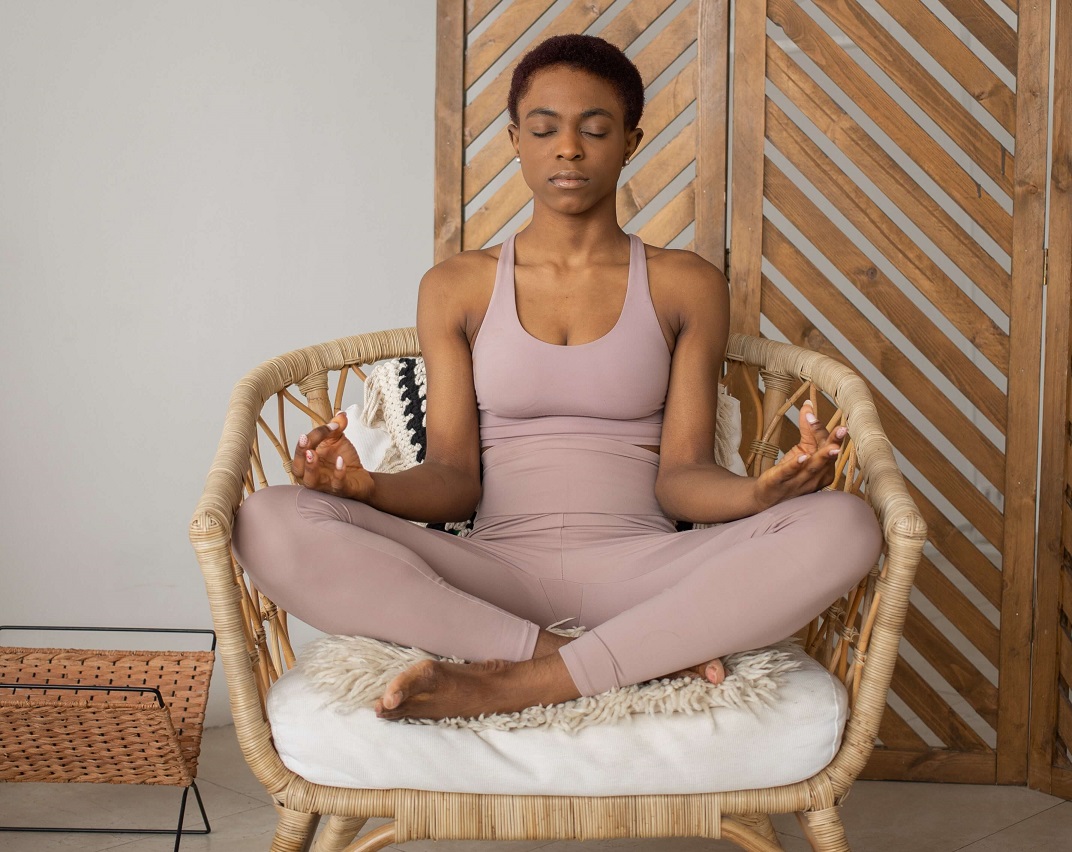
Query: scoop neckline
[(625, 304)]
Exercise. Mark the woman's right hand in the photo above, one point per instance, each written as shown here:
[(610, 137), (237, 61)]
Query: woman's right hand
[(325, 460)]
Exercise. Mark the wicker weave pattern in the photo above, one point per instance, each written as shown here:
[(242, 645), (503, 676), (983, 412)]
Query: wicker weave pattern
[(857, 638), (102, 736)]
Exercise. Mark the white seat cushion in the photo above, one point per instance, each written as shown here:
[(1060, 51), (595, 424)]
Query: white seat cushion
[(728, 748)]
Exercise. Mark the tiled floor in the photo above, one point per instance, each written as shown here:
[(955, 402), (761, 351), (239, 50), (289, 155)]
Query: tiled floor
[(879, 817)]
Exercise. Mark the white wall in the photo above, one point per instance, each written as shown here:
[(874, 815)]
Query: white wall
[(186, 189)]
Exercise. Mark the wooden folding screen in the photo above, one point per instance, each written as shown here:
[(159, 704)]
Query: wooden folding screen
[(887, 163)]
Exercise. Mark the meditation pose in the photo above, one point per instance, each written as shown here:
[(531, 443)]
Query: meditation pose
[(572, 389)]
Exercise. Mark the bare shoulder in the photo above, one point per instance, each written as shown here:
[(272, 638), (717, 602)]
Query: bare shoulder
[(454, 294), (683, 283), (458, 275)]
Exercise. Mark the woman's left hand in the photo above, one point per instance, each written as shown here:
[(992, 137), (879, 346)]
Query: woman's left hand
[(808, 467)]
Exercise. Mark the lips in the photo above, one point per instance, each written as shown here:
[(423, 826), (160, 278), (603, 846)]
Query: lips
[(568, 180)]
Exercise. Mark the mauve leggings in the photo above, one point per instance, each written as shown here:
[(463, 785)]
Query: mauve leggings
[(567, 528)]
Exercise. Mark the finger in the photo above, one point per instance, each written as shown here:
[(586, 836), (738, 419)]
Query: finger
[(297, 466), (338, 474), (330, 431), (814, 428), (311, 474)]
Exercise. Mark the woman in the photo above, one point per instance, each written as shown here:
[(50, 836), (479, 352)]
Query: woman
[(572, 381)]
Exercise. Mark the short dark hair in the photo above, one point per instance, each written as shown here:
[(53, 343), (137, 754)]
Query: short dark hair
[(586, 53)]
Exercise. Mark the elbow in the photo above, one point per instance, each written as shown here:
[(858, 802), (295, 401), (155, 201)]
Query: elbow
[(468, 500)]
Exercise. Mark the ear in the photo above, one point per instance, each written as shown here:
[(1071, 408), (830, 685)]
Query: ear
[(515, 137), (632, 141)]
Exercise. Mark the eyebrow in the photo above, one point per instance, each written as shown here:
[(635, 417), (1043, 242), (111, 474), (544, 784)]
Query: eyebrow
[(588, 113)]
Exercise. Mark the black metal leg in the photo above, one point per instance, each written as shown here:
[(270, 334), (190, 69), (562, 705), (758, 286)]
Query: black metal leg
[(178, 831)]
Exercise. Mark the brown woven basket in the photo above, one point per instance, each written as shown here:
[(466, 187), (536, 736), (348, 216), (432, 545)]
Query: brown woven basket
[(112, 717)]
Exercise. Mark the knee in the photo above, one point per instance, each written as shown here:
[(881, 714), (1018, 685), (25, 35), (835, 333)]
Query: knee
[(854, 531), (262, 518)]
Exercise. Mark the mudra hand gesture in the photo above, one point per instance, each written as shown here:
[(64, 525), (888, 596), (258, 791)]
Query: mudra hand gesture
[(325, 460), (808, 466)]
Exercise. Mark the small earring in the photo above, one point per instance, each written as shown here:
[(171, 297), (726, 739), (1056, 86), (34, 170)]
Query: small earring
[(517, 159), (627, 161)]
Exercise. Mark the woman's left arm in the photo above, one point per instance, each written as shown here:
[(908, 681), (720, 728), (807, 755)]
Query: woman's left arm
[(691, 486)]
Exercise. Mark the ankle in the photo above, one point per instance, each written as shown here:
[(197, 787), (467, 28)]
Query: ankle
[(548, 643)]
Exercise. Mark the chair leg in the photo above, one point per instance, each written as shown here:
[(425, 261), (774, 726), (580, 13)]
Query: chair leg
[(747, 837), (375, 840), (759, 822), (824, 830), (338, 833), (295, 830)]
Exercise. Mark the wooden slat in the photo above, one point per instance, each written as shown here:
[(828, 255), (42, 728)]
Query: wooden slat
[(1051, 651), (939, 765), (956, 58), (901, 128), (988, 28), (748, 134), (955, 606), (491, 102), (672, 219), (919, 84), (674, 39), (933, 712), (893, 181), (952, 665), (961, 553), (501, 35), (1025, 331), (673, 99), (487, 220), (476, 11), (919, 451), (450, 99), (891, 301), (712, 117), (896, 733), (904, 252), (633, 21), (656, 173)]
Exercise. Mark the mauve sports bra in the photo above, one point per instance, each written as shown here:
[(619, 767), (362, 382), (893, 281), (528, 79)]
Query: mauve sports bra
[(612, 387)]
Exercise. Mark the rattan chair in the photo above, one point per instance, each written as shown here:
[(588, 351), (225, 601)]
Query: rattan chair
[(856, 639)]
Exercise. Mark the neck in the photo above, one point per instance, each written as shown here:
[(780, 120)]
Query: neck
[(572, 238)]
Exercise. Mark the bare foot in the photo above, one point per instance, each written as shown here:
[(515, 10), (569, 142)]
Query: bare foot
[(713, 672), (437, 690), (549, 643)]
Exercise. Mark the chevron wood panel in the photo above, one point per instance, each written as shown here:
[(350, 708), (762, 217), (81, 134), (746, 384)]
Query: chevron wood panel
[(882, 215), (658, 197)]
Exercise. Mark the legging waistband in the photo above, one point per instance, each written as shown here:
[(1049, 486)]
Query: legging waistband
[(568, 475)]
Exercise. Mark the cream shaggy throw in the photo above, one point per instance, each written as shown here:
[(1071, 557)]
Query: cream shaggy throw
[(353, 671)]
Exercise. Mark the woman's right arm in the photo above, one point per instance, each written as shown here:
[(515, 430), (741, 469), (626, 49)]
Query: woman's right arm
[(446, 485)]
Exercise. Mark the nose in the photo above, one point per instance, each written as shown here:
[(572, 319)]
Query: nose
[(569, 147)]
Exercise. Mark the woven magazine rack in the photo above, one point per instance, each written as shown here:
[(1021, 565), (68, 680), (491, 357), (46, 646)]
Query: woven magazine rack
[(104, 717), (856, 638)]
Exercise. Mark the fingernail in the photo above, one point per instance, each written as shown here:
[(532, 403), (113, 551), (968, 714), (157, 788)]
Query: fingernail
[(811, 418), (807, 402), (339, 463), (841, 432), (834, 452), (801, 459), (303, 440), (333, 425), (309, 455)]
